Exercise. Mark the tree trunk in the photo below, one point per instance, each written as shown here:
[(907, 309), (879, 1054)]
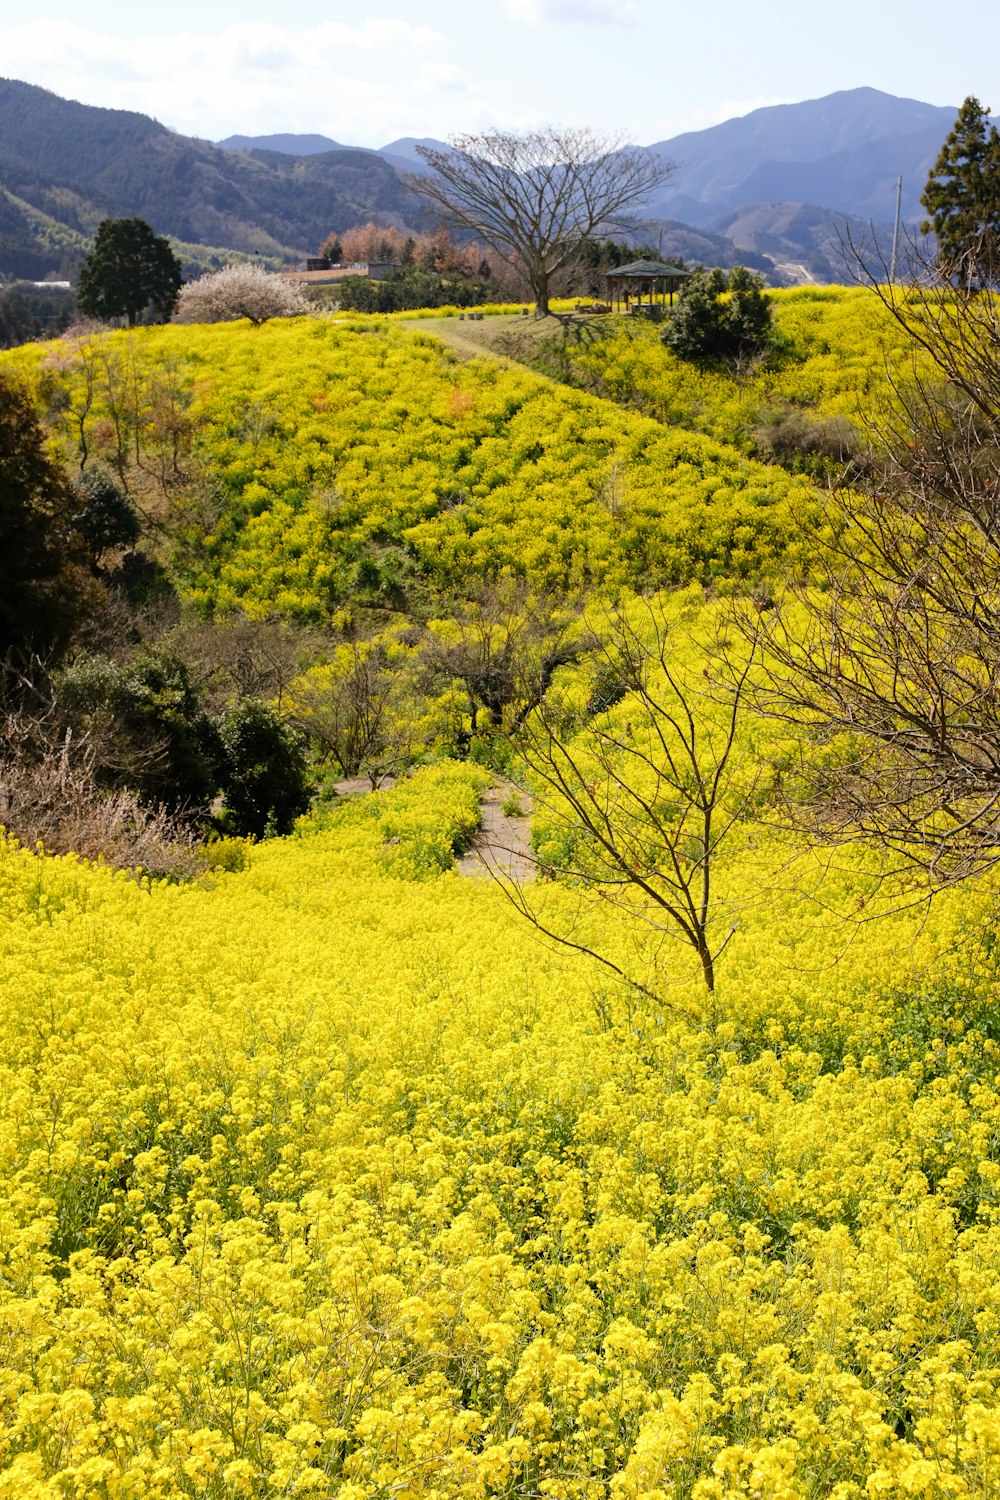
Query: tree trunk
[(707, 966)]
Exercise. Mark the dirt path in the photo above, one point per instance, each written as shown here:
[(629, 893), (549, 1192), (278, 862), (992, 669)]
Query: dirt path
[(503, 844), (360, 786), (507, 337)]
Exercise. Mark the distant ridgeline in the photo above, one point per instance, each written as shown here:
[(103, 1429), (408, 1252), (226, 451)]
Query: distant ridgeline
[(773, 190)]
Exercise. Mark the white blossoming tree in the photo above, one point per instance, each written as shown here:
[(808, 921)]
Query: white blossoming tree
[(240, 291)]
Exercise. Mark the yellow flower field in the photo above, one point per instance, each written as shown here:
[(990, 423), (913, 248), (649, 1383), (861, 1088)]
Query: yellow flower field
[(326, 1177)]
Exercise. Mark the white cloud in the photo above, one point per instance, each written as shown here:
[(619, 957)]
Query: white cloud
[(363, 84), (581, 12), (435, 75)]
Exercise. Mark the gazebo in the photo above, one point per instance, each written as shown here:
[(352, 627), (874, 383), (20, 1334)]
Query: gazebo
[(641, 283)]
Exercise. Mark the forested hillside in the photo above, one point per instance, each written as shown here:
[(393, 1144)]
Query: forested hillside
[(101, 163)]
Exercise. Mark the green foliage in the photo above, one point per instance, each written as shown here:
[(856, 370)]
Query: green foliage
[(43, 590), (706, 324), (108, 518), (263, 770), (410, 287), (962, 197), (147, 726), (129, 269)]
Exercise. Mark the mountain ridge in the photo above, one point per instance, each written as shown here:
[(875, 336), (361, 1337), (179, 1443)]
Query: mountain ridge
[(781, 176)]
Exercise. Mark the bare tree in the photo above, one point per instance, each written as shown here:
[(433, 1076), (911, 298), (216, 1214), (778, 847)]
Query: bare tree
[(539, 195), (894, 663), (234, 656), (637, 805), (503, 647), (359, 711)]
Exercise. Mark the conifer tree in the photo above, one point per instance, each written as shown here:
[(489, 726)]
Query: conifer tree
[(44, 589), (129, 269), (962, 198)]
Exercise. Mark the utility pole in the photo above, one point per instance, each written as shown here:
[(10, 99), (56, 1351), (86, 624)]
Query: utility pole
[(895, 232)]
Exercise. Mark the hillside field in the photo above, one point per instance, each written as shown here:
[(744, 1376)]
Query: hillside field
[(324, 1172)]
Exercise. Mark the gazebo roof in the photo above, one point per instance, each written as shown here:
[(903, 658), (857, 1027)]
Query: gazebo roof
[(639, 269)]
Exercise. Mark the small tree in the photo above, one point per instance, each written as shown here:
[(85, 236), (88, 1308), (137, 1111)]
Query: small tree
[(962, 198), (129, 269), (107, 519), (503, 647), (636, 805), (241, 291), (539, 195), (711, 325), (264, 780), (360, 708)]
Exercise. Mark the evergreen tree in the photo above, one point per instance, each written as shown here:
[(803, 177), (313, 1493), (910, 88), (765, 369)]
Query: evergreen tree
[(107, 517), (708, 325), (264, 774), (129, 269), (962, 198), (44, 589)]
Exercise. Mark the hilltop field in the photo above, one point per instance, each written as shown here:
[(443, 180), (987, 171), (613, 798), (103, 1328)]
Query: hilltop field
[(329, 1170)]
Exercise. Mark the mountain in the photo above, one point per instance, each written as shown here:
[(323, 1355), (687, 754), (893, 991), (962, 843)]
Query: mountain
[(289, 145), (803, 243), (775, 188), (404, 151), (400, 154), (843, 152), (104, 162)]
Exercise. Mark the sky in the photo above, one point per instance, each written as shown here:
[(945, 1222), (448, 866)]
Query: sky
[(368, 74)]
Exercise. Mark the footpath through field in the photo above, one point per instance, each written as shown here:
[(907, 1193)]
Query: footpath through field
[(503, 844), (505, 337)]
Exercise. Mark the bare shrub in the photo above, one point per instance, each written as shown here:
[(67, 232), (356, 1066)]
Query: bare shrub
[(50, 797)]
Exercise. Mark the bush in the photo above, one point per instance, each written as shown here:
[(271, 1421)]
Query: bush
[(108, 518), (147, 726), (705, 324), (806, 443), (264, 778), (411, 287), (52, 799), (241, 291)]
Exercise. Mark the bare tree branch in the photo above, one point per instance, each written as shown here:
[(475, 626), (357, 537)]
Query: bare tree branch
[(893, 663), (537, 196), (640, 801)]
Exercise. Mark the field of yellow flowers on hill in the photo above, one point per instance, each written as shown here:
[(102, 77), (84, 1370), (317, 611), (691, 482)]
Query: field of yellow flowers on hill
[(299, 464), (322, 1176)]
